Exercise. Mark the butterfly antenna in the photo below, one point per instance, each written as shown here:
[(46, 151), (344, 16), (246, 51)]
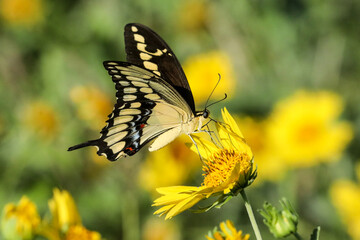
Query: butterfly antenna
[(212, 91), (218, 101)]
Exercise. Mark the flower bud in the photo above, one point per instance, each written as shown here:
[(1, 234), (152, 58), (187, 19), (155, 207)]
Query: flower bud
[(281, 223)]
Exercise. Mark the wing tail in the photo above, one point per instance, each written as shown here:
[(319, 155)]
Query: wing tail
[(81, 145)]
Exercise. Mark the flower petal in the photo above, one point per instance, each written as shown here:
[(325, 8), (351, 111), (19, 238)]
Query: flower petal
[(184, 205), (224, 229), (174, 195), (228, 119), (170, 199), (164, 209), (231, 140), (206, 148), (224, 136), (176, 189), (231, 227)]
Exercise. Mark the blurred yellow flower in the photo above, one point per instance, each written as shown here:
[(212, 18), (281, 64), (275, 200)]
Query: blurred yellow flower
[(92, 104), (22, 12), (157, 229), (268, 165), (20, 221), (304, 130), (345, 196), (202, 72), (193, 14), (41, 118), (81, 233), (63, 210), (227, 170), (171, 165), (228, 232)]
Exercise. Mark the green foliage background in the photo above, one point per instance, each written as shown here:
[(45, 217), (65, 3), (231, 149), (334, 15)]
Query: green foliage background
[(276, 47)]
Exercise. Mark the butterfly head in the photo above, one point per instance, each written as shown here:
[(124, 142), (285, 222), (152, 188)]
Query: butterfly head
[(205, 114)]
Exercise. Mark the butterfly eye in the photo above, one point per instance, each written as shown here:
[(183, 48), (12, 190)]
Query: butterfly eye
[(206, 113)]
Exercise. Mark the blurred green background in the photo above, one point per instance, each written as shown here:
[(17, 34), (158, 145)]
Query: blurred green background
[(54, 93)]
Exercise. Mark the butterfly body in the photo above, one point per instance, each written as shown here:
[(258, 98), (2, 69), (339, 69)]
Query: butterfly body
[(154, 100)]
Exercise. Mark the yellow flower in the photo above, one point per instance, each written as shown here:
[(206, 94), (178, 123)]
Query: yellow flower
[(204, 68), (66, 220), (156, 229), (228, 232), (345, 196), (193, 14), (20, 221), (22, 12), (47, 231), (92, 104), (171, 165), (41, 118), (81, 233), (63, 210), (268, 165), (304, 129), (227, 170)]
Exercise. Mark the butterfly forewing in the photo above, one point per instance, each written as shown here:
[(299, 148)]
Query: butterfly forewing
[(147, 49)]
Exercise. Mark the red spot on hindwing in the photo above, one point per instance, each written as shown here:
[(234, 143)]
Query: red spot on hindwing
[(142, 125)]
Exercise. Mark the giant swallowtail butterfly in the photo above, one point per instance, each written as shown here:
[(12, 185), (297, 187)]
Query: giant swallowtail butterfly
[(154, 99)]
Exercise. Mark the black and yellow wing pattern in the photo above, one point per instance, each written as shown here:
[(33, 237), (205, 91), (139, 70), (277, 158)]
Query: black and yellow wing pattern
[(154, 100)]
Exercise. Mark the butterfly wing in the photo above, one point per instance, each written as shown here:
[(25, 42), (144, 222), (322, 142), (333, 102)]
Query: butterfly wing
[(146, 107), (147, 49)]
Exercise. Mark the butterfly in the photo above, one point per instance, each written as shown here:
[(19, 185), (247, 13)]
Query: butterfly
[(153, 99)]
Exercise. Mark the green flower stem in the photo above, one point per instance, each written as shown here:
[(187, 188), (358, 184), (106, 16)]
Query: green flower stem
[(130, 216), (251, 215)]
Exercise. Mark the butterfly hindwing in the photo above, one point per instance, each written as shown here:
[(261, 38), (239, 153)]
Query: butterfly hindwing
[(146, 107), (147, 49)]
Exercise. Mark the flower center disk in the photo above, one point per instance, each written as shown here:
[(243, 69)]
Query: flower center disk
[(220, 165)]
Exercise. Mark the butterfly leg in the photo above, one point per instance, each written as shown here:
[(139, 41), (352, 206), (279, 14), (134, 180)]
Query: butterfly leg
[(215, 140), (201, 158), (227, 126)]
